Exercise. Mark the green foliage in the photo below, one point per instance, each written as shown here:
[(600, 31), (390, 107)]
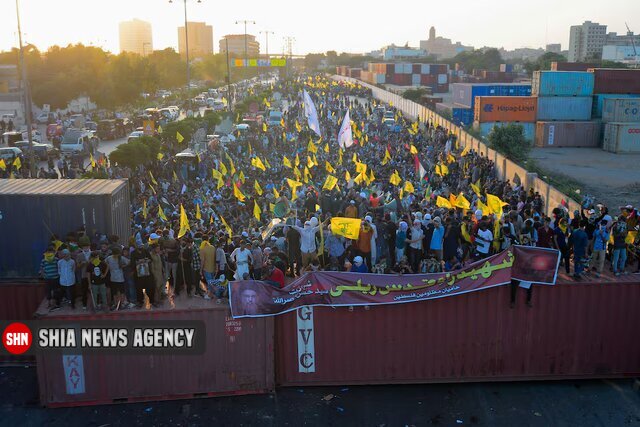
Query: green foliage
[(543, 62), (489, 59), (414, 94), (510, 141), (139, 151)]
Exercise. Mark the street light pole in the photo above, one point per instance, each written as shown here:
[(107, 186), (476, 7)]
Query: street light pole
[(266, 33), (186, 42), (27, 99), (245, 22)]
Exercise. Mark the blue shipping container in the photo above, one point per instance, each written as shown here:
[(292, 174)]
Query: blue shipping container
[(598, 102), (562, 83), (564, 108), (485, 128), (462, 116), (465, 93)]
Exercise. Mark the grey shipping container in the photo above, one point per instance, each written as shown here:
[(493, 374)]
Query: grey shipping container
[(568, 134), (564, 108), (621, 110), (32, 209), (622, 137)]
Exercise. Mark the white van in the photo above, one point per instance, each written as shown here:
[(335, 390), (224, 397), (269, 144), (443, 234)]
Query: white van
[(76, 141)]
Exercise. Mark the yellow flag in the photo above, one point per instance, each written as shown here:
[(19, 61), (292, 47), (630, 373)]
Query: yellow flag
[(408, 187), (354, 159), (159, 129), (452, 199), (276, 193), (298, 127), (387, 157), (465, 233), (444, 169), (232, 167), (17, 163), (311, 147), (220, 182), (340, 152), (152, 178), (184, 222), (144, 208), (229, 230), (310, 163), (330, 182), (347, 227), (266, 103), (237, 193), (347, 176), (329, 168), (272, 207), (371, 176), (282, 122), (476, 188), (264, 127), (631, 237), (296, 161), (284, 136), (256, 210), (175, 177), (462, 202), (92, 160), (257, 187), (465, 151), (286, 162), (450, 158), (198, 213), (160, 156), (241, 177), (359, 178), (307, 175), (223, 168), (438, 170), (258, 164), (495, 204), (413, 149), (215, 174), (3, 165), (161, 214), (484, 208), (496, 234), (326, 148), (361, 167), (395, 178), (266, 163), (179, 137), (441, 202)]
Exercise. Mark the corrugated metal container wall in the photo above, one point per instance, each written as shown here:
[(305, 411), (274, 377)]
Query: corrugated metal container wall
[(505, 109), (485, 128), (465, 93), (32, 209), (621, 110), (564, 108), (598, 102), (582, 330), (568, 134), (415, 79), (562, 83), (609, 80), (622, 138), (238, 362), (571, 66), (462, 116)]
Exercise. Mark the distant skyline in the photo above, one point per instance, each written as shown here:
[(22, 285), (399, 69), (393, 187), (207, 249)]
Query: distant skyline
[(355, 26)]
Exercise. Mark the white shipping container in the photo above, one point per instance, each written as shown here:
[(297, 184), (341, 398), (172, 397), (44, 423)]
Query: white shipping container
[(621, 110), (425, 69), (415, 79), (442, 79), (622, 138)]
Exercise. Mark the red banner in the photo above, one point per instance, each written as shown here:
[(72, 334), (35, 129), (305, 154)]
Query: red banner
[(251, 298)]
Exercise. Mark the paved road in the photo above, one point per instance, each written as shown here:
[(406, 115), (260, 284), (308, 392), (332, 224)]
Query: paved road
[(559, 403)]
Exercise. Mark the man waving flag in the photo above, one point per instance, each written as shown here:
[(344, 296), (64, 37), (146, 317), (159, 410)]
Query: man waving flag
[(345, 137), (311, 113)]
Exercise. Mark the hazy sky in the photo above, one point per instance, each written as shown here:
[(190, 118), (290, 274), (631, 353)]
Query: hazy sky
[(318, 26)]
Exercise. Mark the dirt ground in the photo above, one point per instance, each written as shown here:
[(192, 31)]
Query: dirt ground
[(613, 179)]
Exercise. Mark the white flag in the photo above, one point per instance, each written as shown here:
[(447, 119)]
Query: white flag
[(345, 138), (311, 113)]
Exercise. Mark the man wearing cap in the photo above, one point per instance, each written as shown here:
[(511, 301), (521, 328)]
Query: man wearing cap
[(358, 265), (242, 257), (351, 211)]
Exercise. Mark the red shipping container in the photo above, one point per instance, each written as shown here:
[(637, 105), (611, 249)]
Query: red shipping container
[(471, 337), (238, 359), (612, 80), (428, 80), (571, 66), (415, 68)]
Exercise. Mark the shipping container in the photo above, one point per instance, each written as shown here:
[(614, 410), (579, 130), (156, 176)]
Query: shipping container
[(238, 359), (33, 209), (506, 68), (379, 78), (428, 80), (505, 109), (611, 80), (424, 69), (529, 129), (568, 134), (571, 66), (573, 330), (562, 83), (598, 102), (621, 137), (462, 116), (415, 79), (564, 108), (442, 79), (355, 73), (465, 93), (621, 110), (400, 79)]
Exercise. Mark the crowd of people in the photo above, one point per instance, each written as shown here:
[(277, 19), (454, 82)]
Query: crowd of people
[(260, 208)]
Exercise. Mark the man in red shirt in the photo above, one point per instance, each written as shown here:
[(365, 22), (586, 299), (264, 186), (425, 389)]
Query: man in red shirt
[(274, 276)]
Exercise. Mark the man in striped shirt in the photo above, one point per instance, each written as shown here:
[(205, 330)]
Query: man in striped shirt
[(49, 272)]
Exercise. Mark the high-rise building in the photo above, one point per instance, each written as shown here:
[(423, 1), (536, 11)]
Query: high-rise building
[(136, 37), (236, 44), (554, 48), (441, 47), (586, 41), (200, 39)]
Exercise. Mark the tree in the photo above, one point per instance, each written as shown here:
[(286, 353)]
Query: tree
[(510, 141), (488, 59), (139, 151), (414, 94), (543, 62)]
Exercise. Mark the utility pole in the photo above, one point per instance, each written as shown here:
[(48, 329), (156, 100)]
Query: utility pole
[(27, 99), (230, 104), (266, 33), (245, 22), (186, 42), (289, 46)]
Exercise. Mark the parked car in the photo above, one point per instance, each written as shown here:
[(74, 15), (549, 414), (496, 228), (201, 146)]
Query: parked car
[(43, 151), (44, 118), (10, 153), (92, 126), (35, 135), (76, 141), (107, 129), (9, 138), (135, 135)]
